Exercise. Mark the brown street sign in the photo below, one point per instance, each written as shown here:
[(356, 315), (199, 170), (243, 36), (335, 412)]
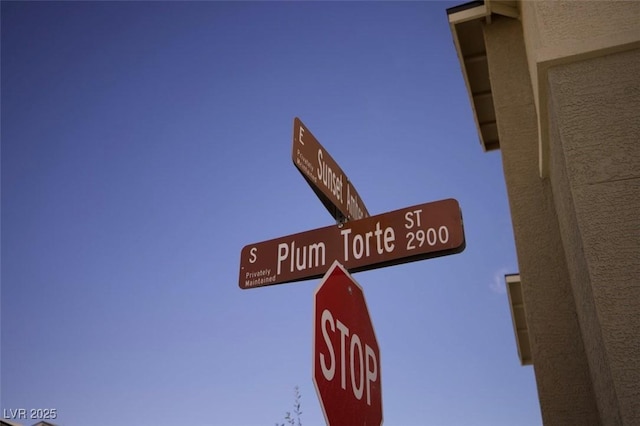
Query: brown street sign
[(406, 235), (324, 176)]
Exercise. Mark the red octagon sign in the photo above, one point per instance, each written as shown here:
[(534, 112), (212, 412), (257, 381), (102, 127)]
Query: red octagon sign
[(346, 357)]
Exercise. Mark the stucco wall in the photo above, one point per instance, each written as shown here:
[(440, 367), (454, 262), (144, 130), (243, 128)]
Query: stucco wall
[(560, 29), (595, 150), (562, 373)]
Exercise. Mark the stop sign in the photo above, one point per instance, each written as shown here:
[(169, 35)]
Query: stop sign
[(346, 357)]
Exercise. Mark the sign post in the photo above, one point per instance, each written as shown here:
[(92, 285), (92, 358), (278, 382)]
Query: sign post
[(406, 235), (325, 176), (346, 357)]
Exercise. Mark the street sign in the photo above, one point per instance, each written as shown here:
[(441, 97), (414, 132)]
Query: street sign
[(406, 235), (324, 176), (346, 357)]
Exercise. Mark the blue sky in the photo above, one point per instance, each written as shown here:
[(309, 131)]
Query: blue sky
[(145, 143)]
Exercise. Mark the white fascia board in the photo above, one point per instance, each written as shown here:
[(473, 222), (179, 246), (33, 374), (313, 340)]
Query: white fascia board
[(469, 14)]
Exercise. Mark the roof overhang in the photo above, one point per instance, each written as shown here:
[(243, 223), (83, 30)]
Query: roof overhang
[(466, 22), (518, 317)]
